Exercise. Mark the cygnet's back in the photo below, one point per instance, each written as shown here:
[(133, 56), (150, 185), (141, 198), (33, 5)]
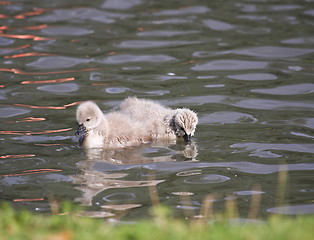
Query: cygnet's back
[(150, 113), (144, 109), (164, 123), (124, 131)]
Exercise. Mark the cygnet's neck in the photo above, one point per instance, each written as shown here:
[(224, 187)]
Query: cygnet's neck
[(169, 120), (103, 127)]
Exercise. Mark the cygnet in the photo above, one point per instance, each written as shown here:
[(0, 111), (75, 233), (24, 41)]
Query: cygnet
[(164, 123), (112, 130)]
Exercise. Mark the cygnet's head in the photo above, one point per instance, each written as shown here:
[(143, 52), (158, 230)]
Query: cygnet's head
[(88, 116), (185, 122)]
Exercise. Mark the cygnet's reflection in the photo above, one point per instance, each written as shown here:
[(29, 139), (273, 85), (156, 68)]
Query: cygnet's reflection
[(92, 181), (154, 152)]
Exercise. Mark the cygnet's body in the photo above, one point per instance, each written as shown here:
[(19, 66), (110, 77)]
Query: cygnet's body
[(112, 130), (163, 123)]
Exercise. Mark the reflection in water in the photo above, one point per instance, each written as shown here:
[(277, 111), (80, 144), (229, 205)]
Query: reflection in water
[(48, 107), (33, 37), (34, 133), (17, 156), (49, 81), (27, 199), (136, 155), (17, 48), (35, 12), (28, 119), (27, 55), (19, 71), (91, 182), (33, 171)]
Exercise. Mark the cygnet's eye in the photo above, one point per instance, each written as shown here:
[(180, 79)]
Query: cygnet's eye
[(88, 119)]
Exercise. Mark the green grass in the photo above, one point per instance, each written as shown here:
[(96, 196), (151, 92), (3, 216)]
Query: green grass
[(25, 225)]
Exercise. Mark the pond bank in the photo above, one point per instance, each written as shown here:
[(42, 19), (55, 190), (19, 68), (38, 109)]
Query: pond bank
[(25, 225)]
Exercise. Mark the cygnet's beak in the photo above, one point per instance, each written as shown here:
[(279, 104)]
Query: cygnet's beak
[(80, 133), (187, 138), (80, 130)]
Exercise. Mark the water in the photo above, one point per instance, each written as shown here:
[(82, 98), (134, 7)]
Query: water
[(246, 67)]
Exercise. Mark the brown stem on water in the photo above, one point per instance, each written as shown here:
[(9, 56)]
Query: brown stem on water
[(207, 211), (153, 192), (232, 210), (255, 202), (282, 184)]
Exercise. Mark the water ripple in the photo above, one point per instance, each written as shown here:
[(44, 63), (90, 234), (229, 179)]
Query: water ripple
[(120, 4), (267, 8), (183, 11), (273, 104), (120, 197), (206, 178), (246, 103), (6, 41), (136, 44), (60, 88), (96, 214), (261, 149), (293, 209), (172, 21), (300, 40), (20, 163), (7, 112), (116, 90), (230, 65), (253, 76), (294, 89), (129, 58), (225, 117), (40, 139), (309, 12), (66, 31), (165, 33), (218, 25), (248, 193), (154, 78), (247, 167), (56, 62), (273, 52), (304, 122), (284, 7), (71, 15), (261, 52)]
